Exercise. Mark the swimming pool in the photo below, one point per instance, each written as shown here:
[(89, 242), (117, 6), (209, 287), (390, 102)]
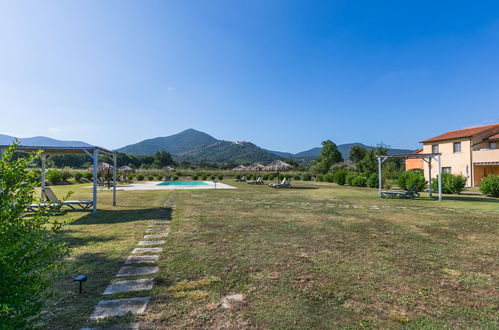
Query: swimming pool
[(182, 183)]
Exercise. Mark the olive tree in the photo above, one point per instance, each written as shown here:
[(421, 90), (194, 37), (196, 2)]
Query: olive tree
[(30, 251)]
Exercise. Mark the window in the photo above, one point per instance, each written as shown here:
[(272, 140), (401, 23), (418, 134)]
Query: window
[(493, 145), (434, 149), (446, 170), (457, 146)]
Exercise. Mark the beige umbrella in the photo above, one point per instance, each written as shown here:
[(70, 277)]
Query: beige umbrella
[(125, 169), (255, 167), (239, 168), (277, 165), (169, 169)]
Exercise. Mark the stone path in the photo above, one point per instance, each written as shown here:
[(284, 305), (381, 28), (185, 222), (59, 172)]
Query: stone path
[(133, 267)]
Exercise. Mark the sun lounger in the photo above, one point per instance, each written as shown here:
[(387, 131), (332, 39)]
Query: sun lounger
[(410, 193), (286, 183), (259, 180), (243, 179), (83, 205)]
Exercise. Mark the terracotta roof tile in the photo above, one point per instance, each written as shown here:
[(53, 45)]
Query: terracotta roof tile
[(494, 137), (461, 133)]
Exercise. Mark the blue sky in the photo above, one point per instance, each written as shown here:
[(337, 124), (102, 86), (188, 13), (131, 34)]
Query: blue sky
[(282, 74)]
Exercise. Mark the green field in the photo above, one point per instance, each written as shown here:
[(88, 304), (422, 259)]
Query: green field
[(319, 255)]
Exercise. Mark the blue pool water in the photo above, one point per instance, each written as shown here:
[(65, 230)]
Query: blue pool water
[(182, 183)]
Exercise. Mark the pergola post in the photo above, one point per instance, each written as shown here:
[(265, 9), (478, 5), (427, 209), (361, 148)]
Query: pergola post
[(96, 164), (439, 179), (115, 162), (43, 159), (429, 179), (379, 176)]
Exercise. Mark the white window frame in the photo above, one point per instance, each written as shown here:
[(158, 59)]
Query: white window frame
[(447, 169), (454, 147)]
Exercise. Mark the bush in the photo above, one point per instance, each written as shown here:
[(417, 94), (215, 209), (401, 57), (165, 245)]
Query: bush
[(140, 176), (271, 177), (306, 177), (349, 178), (297, 176), (372, 181), (159, 177), (319, 177), (490, 185), (265, 176), (451, 184), (237, 176), (30, 249), (340, 176), (66, 175), (53, 176), (130, 177), (408, 178), (194, 177), (179, 174), (175, 177), (359, 181), (78, 176), (150, 177), (220, 177), (213, 177), (88, 175), (329, 177), (204, 177)]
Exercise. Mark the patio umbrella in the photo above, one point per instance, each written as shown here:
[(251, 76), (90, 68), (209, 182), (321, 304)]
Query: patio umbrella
[(169, 169), (125, 169), (255, 167), (277, 165), (239, 168)]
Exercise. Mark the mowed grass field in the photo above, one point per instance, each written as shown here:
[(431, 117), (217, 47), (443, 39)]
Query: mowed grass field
[(319, 256)]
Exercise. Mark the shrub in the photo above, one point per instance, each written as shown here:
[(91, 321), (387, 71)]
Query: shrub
[(159, 177), (130, 177), (319, 177), (359, 181), (179, 174), (204, 177), (30, 249), (194, 177), (490, 185), (329, 177), (150, 177), (220, 177), (297, 176), (78, 176), (271, 177), (372, 181), (53, 176), (213, 177), (237, 176), (88, 175), (175, 177), (340, 176), (408, 178), (140, 176), (349, 178), (451, 184), (66, 175), (306, 177), (265, 176)]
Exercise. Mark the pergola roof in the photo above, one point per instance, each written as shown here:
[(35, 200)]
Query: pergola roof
[(60, 150), (413, 155)]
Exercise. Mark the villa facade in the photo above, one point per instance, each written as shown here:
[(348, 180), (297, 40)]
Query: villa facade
[(471, 152)]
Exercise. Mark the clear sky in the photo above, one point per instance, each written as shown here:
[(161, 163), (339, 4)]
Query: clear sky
[(282, 74)]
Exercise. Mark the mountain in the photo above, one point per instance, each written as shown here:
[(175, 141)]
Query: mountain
[(175, 144), (343, 148), (42, 141)]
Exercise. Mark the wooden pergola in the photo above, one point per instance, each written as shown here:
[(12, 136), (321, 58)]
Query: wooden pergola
[(91, 151), (426, 157)]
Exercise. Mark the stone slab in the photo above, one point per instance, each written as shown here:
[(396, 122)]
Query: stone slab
[(148, 250), (119, 307), (152, 230), (136, 271), (159, 242), (130, 285), (141, 259), (159, 235)]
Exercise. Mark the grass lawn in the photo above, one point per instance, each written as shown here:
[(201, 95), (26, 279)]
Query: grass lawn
[(319, 256)]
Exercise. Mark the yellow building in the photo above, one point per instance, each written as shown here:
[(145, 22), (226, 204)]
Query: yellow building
[(470, 152)]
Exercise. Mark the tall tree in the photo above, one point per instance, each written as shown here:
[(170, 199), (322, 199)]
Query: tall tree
[(357, 153), (329, 155)]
